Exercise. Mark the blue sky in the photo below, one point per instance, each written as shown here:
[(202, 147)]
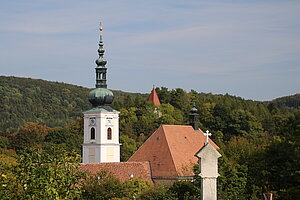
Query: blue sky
[(245, 48)]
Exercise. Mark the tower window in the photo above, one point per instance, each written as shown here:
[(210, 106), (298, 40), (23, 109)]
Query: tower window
[(109, 135), (92, 133)]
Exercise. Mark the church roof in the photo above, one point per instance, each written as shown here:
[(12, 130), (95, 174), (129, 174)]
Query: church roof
[(121, 170), (153, 97), (171, 150)]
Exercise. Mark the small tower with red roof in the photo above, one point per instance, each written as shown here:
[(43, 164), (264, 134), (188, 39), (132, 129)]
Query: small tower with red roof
[(153, 97)]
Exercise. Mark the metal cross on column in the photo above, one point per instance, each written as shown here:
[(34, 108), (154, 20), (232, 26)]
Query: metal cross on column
[(207, 134)]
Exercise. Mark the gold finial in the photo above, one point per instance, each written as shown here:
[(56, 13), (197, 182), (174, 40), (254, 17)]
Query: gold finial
[(100, 28)]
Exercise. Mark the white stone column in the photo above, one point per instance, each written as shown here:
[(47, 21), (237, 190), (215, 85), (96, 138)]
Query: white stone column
[(208, 166)]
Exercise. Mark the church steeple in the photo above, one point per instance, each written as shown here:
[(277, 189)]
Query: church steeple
[(101, 62), (101, 123), (101, 96)]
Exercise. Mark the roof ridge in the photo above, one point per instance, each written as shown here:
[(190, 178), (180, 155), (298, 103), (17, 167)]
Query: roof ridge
[(117, 163), (175, 125)]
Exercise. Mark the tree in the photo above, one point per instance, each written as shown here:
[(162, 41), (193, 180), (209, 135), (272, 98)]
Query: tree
[(155, 192), (129, 146), (102, 186), (243, 123), (180, 100), (233, 180), (184, 190), (281, 161), (30, 135), (40, 175), (62, 136), (164, 95)]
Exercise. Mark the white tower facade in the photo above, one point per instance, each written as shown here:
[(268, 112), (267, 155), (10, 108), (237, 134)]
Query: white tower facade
[(101, 136)]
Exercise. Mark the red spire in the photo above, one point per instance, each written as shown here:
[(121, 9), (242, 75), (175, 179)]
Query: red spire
[(154, 98)]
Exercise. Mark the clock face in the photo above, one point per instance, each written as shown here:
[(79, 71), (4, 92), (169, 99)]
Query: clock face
[(93, 121), (109, 121)]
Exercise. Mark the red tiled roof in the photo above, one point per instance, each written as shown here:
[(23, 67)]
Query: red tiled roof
[(121, 170), (171, 149), (154, 98)]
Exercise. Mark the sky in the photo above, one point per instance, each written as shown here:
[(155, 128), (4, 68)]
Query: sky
[(246, 48)]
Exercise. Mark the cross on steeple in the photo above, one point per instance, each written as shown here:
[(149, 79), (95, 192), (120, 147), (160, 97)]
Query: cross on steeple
[(207, 134)]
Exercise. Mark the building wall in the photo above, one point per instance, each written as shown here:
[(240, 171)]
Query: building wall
[(101, 149)]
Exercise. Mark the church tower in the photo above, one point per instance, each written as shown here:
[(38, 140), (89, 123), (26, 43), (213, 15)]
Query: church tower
[(101, 122)]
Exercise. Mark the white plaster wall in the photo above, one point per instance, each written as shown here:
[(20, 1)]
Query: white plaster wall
[(116, 150), (101, 143)]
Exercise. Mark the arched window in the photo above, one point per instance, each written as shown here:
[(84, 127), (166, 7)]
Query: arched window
[(109, 135), (92, 133)]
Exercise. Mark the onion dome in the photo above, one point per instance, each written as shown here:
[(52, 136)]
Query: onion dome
[(101, 62), (194, 109), (101, 95)]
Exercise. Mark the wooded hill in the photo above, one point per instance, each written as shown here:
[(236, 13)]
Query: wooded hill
[(292, 102), (56, 103), (34, 100)]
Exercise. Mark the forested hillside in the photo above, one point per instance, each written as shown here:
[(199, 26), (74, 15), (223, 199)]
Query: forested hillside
[(259, 141), (292, 101), (44, 102), (54, 103)]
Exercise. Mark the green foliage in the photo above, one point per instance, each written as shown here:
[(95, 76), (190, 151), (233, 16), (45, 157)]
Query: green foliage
[(164, 95), (278, 167), (233, 180), (133, 188), (40, 175), (50, 103), (4, 142), (64, 137), (292, 101), (29, 135), (155, 192), (128, 148), (283, 178), (184, 190), (8, 160), (103, 186)]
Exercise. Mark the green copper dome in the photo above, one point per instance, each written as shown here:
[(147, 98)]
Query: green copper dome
[(101, 62), (100, 96)]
